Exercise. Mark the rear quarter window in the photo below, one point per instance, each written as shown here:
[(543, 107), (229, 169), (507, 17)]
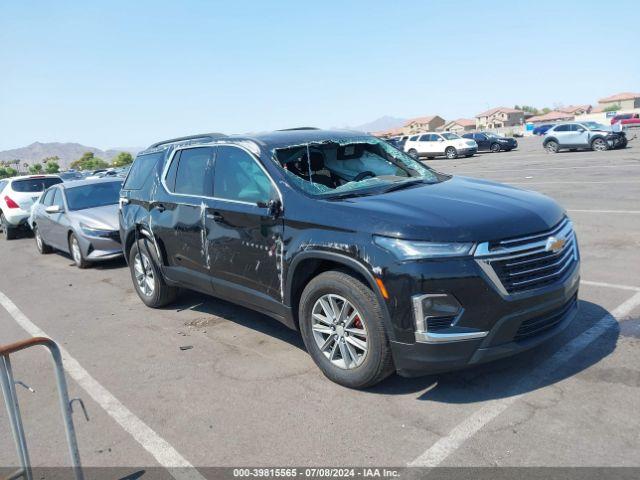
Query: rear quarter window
[(141, 170)]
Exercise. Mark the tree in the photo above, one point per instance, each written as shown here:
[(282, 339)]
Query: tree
[(89, 161), (122, 159), (3, 172), (54, 159), (11, 172), (612, 108), (35, 168), (52, 167), (546, 110)]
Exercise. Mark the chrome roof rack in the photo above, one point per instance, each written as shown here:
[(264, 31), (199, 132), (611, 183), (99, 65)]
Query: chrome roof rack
[(204, 137)]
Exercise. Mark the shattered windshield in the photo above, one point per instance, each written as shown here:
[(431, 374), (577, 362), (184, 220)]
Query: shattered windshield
[(359, 165), (596, 126)]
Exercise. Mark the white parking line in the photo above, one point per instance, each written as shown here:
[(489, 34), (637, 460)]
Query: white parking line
[(162, 451), (630, 212), (447, 445), (552, 168), (577, 182), (610, 285)]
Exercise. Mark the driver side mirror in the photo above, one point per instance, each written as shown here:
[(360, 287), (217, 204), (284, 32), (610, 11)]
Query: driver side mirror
[(274, 207), (54, 209), (440, 139), (581, 130)]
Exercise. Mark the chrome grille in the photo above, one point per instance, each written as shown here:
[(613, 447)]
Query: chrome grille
[(526, 263)]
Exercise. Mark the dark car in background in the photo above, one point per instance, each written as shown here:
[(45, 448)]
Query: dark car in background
[(491, 142), (381, 263), (542, 129), (79, 218)]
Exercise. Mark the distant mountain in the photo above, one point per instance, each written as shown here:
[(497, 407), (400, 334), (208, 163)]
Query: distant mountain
[(67, 152), (383, 123)]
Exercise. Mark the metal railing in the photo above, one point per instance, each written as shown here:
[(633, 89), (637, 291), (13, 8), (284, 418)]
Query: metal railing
[(8, 385)]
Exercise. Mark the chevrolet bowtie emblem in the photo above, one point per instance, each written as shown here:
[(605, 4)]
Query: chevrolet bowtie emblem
[(554, 244)]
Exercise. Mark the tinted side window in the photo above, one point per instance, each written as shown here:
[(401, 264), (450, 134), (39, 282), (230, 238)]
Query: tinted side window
[(34, 184), (237, 176), (193, 174), (57, 198), (413, 139), (141, 170), (425, 138), (561, 128), (47, 199), (2, 185)]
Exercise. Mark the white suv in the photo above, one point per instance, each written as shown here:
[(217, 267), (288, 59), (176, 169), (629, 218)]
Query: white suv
[(17, 194), (432, 144)]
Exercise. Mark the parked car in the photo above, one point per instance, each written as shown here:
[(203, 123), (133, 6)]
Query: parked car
[(625, 119), (490, 142), (382, 263), (542, 129), (70, 175), (584, 135), (79, 218), (432, 144), (17, 195)]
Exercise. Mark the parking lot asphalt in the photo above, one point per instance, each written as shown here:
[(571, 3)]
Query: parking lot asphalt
[(246, 393)]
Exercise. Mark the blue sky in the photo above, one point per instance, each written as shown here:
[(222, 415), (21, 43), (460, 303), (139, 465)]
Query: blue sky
[(122, 73)]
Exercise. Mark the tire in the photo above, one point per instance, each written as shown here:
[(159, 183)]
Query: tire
[(552, 146), (573, 149), (151, 287), (8, 232), (470, 155), (495, 147), (451, 153), (359, 368), (42, 247), (76, 252), (413, 153), (599, 145)]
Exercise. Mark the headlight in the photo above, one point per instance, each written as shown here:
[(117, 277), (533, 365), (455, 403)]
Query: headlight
[(95, 232), (414, 250)]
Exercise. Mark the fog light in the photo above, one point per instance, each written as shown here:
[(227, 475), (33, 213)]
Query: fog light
[(435, 311)]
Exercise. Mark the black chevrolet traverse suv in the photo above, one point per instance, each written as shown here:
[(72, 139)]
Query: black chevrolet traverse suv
[(382, 263)]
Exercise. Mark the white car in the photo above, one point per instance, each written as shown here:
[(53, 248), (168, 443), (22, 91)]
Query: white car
[(17, 195), (432, 144)]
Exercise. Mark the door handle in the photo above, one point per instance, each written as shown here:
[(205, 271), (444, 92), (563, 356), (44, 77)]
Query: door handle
[(215, 216), (160, 207)]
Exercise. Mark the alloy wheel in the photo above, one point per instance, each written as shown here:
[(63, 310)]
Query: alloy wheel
[(75, 251), (451, 153), (339, 331), (599, 145), (38, 239), (143, 272), (552, 147)]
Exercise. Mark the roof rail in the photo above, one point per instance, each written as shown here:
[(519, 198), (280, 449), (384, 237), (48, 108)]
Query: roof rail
[(205, 137), (297, 128)]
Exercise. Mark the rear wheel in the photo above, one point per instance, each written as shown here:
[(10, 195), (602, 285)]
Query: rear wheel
[(451, 153), (495, 147), (413, 153), (552, 146), (147, 278), (341, 322), (42, 247), (76, 252), (8, 231), (599, 145)]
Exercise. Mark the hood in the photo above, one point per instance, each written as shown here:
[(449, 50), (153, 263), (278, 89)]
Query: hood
[(460, 209), (105, 218)]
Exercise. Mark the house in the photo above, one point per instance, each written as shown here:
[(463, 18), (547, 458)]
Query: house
[(461, 125), (552, 116), (391, 132), (423, 124), (499, 117), (576, 109), (624, 101)]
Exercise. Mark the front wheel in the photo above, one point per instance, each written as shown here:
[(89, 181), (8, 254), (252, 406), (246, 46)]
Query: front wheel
[(76, 252), (413, 153), (42, 247), (599, 145), (495, 147), (341, 322), (147, 277), (451, 153)]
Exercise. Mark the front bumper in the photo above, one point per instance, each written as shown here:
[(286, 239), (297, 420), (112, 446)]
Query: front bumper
[(467, 151), (506, 324), (97, 249)]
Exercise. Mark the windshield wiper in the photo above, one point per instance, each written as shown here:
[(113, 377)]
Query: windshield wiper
[(401, 185)]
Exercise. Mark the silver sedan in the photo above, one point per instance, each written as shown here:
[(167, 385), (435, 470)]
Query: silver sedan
[(79, 218)]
